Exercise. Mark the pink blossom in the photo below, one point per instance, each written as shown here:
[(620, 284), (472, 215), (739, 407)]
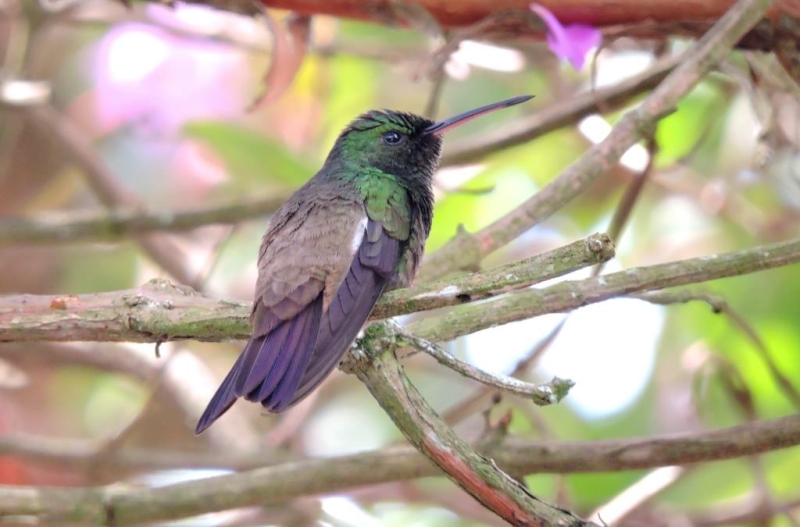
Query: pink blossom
[(571, 42), (145, 75)]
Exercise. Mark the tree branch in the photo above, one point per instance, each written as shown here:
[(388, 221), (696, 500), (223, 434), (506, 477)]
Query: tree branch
[(160, 311), (502, 279), (683, 14), (719, 305), (114, 225), (572, 294), (556, 116), (159, 247), (375, 363), (188, 392), (106, 226), (285, 481), (465, 251), (540, 394)]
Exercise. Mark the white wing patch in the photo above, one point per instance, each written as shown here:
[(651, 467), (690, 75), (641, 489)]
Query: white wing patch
[(358, 236)]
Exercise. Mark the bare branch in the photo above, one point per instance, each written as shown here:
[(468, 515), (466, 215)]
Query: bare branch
[(720, 305), (498, 280), (466, 251), (375, 363), (572, 294), (161, 249), (541, 394), (116, 224), (186, 381), (558, 115), (162, 311), (288, 480), (462, 409)]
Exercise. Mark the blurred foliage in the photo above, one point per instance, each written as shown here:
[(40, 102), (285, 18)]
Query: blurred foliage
[(694, 121), (707, 193), (248, 154)]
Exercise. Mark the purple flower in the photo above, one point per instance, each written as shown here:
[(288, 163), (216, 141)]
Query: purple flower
[(571, 42)]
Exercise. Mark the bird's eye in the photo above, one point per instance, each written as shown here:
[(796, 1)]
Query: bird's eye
[(392, 138)]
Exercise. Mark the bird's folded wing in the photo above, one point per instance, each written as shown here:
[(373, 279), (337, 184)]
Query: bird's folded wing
[(310, 308), (371, 271), (269, 362)]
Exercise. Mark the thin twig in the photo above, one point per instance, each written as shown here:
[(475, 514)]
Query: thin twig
[(556, 115), (629, 198), (437, 86), (376, 365), (634, 125), (541, 394), (159, 247), (719, 305), (279, 483), (468, 406), (119, 223)]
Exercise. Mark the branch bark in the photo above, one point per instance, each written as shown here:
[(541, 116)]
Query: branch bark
[(572, 294), (161, 311), (375, 364), (118, 224), (556, 116), (466, 251), (127, 505), (159, 247), (540, 394), (594, 12)]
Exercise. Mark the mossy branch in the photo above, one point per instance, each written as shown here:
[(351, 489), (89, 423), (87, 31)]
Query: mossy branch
[(465, 251), (572, 294), (120, 223), (375, 363), (122, 505), (160, 311)]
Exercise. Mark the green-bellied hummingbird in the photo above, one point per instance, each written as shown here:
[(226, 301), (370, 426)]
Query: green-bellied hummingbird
[(356, 229)]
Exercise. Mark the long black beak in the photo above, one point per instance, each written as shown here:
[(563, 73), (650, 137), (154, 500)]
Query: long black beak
[(451, 122)]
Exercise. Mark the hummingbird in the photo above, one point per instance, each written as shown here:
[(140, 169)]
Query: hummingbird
[(353, 231)]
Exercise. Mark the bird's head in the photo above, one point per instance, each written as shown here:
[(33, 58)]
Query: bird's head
[(403, 144)]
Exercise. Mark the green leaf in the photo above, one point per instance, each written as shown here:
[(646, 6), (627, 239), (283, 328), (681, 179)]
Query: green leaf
[(509, 188), (249, 156), (697, 118)]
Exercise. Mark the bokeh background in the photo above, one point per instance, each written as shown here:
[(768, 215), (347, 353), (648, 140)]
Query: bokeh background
[(161, 95)]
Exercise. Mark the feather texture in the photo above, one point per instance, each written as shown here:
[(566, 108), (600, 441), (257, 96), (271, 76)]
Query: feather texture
[(368, 276), (288, 357), (328, 254), (354, 230), (262, 367)]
